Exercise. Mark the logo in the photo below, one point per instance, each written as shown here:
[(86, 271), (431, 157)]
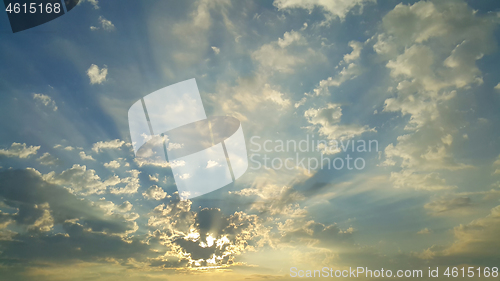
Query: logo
[(171, 125), (25, 14)]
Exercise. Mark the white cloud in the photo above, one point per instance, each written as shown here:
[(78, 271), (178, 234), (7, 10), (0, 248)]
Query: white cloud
[(497, 87), (19, 150), (106, 25), (332, 8), (113, 144), (84, 156), (347, 73), (211, 164), (154, 178), (432, 49), (290, 38), (112, 164), (155, 192), (95, 3), (356, 51), (45, 222), (96, 75), (172, 146), (275, 96), (278, 56), (79, 179), (45, 100), (131, 184), (216, 50), (273, 57), (327, 120), (47, 159)]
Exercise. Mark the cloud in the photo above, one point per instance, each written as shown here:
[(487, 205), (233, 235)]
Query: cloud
[(496, 166), (106, 25), (497, 87), (327, 120), (43, 204), (332, 9), (424, 231), (275, 96), (154, 192), (80, 180), (19, 150), (153, 178), (113, 164), (84, 156), (347, 73), (410, 178), (356, 51), (350, 70), (113, 144), (206, 237), (279, 56), (475, 242), (430, 55), (274, 199), (131, 184), (96, 75), (431, 61), (45, 100), (216, 50), (291, 37), (211, 164), (48, 160), (448, 204), (95, 3)]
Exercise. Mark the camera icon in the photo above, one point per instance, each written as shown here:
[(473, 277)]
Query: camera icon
[(171, 125)]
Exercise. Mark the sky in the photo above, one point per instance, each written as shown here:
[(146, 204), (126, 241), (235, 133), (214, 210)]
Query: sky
[(416, 81)]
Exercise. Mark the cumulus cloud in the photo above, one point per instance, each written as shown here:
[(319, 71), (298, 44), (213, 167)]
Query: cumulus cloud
[(154, 192), (275, 96), (154, 178), (84, 156), (96, 75), (47, 159), (350, 70), (332, 9), (426, 75), (431, 60), (131, 184), (45, 100), (497, 87), (106, 25), (43, 205), (19, 150), (216, 50), (113, 164), (327, 120), (113, 144), (79, 179), (280, 57)]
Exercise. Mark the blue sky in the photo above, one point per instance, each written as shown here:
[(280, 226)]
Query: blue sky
[(418, 77)]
